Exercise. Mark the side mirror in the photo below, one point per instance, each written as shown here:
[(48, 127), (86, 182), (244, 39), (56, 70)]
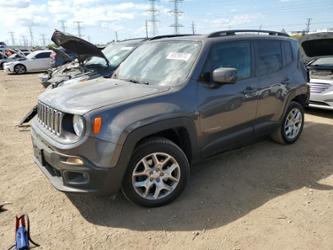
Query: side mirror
[(225, 75)]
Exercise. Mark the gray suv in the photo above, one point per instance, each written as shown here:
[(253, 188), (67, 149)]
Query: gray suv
[(171, 103)]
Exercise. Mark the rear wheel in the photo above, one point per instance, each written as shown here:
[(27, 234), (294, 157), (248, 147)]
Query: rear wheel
[(291, 126), (20, 69), (157, 173)]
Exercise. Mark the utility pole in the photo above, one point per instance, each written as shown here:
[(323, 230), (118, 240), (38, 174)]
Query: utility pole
[(193, 28), (31, 37), (176, 13), (12, 36), (63, 27), (153, 16), (43, 40), (116, 35), (146, 27), (78, 23), (308, 24)]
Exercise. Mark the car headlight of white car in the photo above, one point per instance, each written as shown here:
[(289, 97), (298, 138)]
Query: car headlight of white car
[(78, 125)]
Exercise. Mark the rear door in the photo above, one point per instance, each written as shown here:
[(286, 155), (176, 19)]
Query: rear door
[(272, 80)]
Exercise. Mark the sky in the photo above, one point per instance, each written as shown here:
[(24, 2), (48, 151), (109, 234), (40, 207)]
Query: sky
[(102, 18)]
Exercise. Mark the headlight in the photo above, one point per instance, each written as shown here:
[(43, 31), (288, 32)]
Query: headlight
[(78, 125)]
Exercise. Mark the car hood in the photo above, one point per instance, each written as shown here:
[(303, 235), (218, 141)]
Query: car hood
[(317, 44), (82, 97), (82, 48), (62, 53)]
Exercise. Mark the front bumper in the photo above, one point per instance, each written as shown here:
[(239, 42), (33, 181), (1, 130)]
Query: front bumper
[(8, 68), (74, 178), (321, 94)]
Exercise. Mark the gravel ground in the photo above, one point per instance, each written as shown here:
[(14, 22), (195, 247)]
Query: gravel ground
[(263, 196)]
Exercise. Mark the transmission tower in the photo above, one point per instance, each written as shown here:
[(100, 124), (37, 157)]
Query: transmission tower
[(176, 13), (12, 37), (78, 23), (308, 24), (31, 37), (63, 27), (43, 40), (153, 17), (193, 28)]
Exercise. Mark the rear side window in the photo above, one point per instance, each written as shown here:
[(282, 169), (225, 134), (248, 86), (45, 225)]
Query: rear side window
[(269, 57), (287, 52), (231, 55), (43, 55)]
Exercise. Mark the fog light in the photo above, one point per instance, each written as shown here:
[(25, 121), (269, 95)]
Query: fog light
[(73, 161)]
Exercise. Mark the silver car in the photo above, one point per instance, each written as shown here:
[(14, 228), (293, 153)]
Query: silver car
[(318, 49)]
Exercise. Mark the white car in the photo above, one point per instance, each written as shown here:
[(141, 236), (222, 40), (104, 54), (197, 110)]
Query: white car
[(36, 61)]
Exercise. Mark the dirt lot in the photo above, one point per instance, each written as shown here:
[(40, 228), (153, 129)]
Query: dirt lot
[(264, 196)]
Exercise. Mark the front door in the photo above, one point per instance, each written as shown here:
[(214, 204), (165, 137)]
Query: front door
[(227, 111)]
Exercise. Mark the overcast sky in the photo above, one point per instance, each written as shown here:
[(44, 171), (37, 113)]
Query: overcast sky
[(101, 18)]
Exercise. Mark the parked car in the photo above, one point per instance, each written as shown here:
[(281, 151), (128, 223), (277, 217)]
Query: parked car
[(36, 61), (92, 61), (18, 56), (164, 109), (318, 49)]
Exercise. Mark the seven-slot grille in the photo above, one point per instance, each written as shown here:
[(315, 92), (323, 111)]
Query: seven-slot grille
[(50, 118)]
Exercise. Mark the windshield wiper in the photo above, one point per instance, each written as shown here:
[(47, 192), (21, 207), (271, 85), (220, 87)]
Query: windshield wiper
[(137, 82)]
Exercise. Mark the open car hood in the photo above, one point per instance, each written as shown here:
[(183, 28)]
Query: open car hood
[(82, 48), (317, 44)]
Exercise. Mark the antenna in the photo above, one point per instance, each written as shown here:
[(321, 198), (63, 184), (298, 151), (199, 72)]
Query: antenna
[(12, 36), (153, 14), (78, 23), (176, 13), (63, 27)]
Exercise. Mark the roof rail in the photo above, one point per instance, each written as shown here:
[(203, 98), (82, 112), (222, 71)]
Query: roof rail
[(233, 32), (169, 36)]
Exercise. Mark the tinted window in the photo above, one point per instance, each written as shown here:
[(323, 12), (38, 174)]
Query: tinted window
[(269, 58), (43, 55), (231, 55), (287, 51)]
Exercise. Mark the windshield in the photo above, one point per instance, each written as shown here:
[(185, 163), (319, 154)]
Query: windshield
[(32, 55), (324, 61), (115, 53), (164, 63)]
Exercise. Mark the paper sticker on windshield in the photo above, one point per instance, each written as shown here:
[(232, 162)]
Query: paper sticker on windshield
[(179, 56), (126, 48)]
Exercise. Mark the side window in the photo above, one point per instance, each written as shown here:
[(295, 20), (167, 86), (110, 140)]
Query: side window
[(230, 55), (43, 55), (269, 57), (287, 52)]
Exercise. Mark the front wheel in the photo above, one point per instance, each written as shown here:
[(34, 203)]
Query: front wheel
[(157, 173), (20, 69), (291, 126)]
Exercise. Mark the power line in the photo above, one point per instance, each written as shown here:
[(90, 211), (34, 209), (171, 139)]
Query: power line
[(176, 13), (153, 17), (78, 23)]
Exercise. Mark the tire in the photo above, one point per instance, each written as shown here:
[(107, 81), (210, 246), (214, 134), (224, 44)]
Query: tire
[(20, 69), (289, 132), (1, 65), (165, 180)]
